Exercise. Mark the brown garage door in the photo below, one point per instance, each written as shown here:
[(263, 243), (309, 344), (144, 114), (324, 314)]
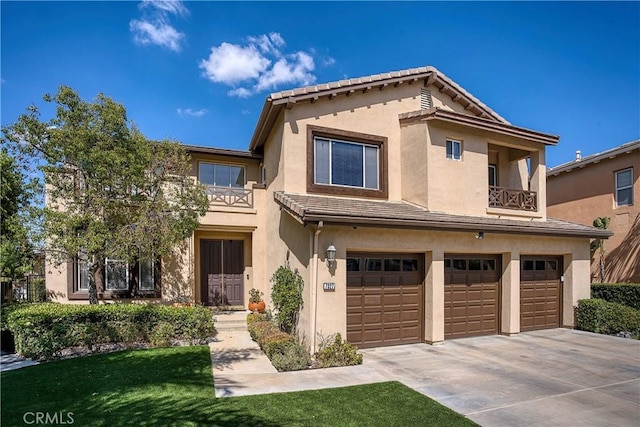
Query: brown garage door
[(540, 292), (471, 295), (384, 299)]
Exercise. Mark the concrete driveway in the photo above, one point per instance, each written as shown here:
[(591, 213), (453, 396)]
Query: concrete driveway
[(556, 377)]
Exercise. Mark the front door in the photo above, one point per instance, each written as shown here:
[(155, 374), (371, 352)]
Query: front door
[(221, 272)]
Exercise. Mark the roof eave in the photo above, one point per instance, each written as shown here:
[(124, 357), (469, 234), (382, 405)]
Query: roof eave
[(626, 148), (445, 225), (438, 114)]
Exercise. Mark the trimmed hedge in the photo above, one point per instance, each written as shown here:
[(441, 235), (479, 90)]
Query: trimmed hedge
[(602, 317), (42, 331), (283, 349), (622, 293)]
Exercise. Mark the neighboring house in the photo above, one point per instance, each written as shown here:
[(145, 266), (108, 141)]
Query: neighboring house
[(439, 230), (605, 184)]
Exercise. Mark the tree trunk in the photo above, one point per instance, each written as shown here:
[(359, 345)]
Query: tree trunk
[(97, 282), (602, 268)]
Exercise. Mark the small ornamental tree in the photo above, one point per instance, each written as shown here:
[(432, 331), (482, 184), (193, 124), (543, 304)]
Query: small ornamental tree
[(286, 294), (111, 193), (602, 223)]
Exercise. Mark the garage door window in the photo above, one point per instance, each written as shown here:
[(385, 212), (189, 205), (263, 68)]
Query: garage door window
[(392, 264), (489, 265), (353, 264), (475, 264), (409, 265), (459, 264), (373, 264), (539, 265)]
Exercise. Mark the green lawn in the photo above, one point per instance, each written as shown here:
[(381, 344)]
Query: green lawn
[(174, 387)]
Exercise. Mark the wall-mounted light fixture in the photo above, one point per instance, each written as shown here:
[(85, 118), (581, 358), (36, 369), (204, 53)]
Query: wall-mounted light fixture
[(480, 235), (331, 255)]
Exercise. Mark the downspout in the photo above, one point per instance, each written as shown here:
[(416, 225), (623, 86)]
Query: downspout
[(314, 286)]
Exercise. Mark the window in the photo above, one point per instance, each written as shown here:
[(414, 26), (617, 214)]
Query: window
[(345, 163), (624, 187), (373, 264), (454, 149), (146, 275), (141, 278), (83, 275), (493, 175), (221, 175), (116, 276)]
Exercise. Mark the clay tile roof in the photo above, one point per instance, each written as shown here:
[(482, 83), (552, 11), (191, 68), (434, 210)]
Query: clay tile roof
[(594, 158), (337, 210)]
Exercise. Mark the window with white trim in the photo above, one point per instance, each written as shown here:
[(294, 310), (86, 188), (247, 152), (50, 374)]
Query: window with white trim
[(138, 278), (624, 187), (220, 175), (346, 163), (454, 149)]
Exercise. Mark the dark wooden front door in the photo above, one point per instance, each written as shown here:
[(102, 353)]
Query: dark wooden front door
[(221, 272)]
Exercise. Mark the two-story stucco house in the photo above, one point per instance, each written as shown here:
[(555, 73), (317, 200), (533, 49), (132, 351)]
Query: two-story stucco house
[(604, 184), (434, 204)]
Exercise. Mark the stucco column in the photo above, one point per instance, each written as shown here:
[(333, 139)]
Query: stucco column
[(434, 297), (539, 180), (577, 282), (510, 312)]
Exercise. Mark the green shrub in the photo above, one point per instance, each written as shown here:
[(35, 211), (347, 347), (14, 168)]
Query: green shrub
[(162, 334), (256, 317), (294, 357), (622, 293), (277, 343), (42, 331), (600, 316), (286, 294), (336, 352)]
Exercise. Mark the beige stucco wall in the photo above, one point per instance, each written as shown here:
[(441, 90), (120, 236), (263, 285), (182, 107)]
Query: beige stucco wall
[(418, 170), (331, 306), (461, 187), (586, 193)]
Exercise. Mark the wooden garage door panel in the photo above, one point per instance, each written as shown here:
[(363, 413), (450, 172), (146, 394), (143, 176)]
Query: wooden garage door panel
[(390, 302), (471, 296), (540, 292)]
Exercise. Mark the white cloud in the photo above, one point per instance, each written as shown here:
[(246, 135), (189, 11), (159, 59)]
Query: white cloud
[(191, 112), (155, 26), (230, 63), (295, 68), (258, 65), (240, 92), (157, 32), (175, 7)]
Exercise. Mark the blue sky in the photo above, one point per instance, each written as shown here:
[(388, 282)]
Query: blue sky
[(199, 72)]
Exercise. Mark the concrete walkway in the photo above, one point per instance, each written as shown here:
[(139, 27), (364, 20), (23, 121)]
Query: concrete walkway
[(9, 362), (240, 368), (556, 377)]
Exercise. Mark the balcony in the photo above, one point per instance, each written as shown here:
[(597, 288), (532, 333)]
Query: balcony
[(509, 198), (230, 196)]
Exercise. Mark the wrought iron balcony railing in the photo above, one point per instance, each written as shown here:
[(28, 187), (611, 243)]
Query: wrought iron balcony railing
[(509, 198)]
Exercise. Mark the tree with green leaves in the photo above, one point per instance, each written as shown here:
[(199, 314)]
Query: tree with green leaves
[(111, 193), (286, 294), (16, 247), (602, 223)]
